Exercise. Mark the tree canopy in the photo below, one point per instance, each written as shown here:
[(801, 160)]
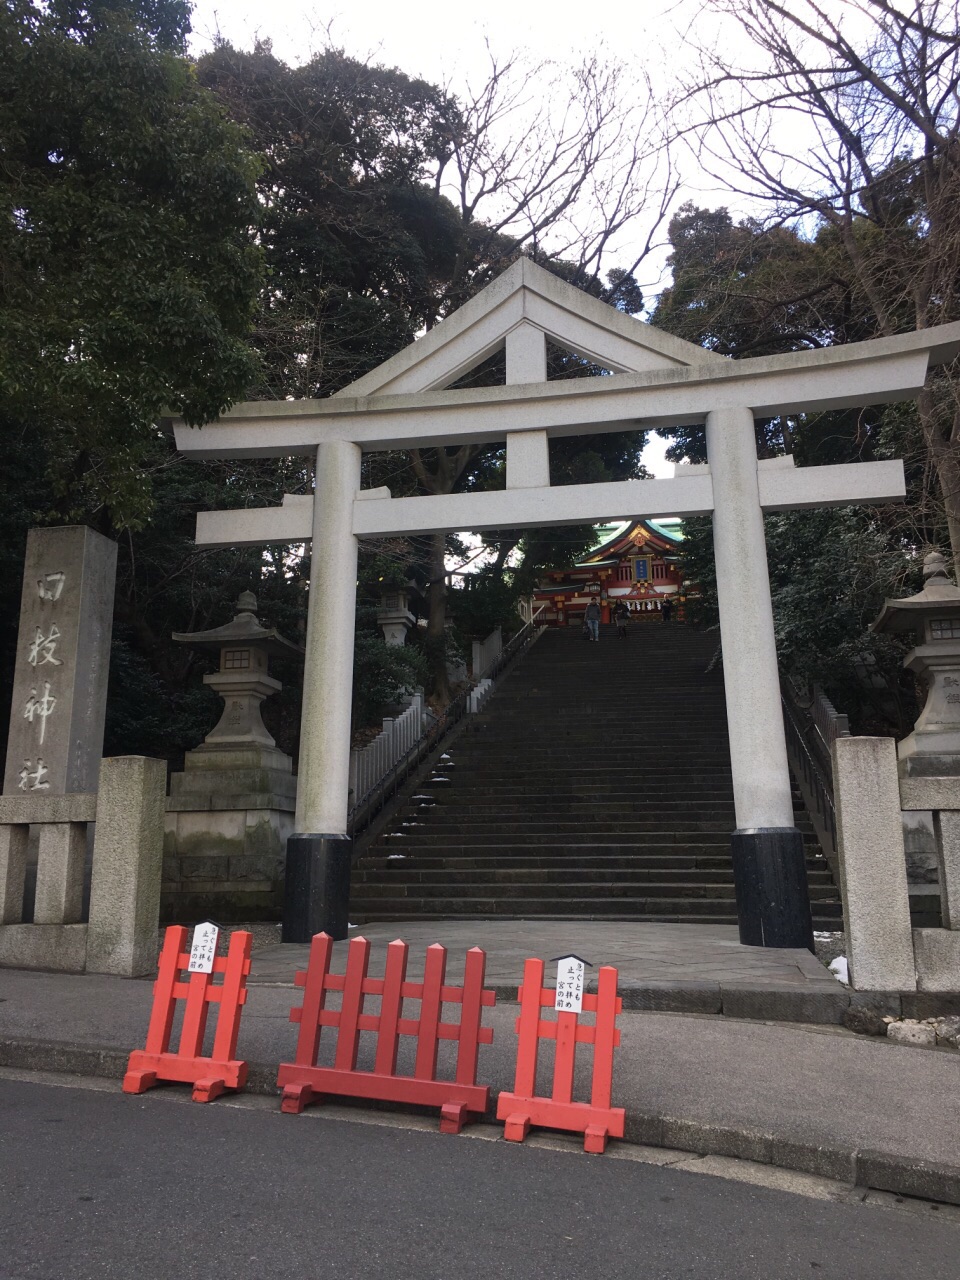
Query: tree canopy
[(127, 241)]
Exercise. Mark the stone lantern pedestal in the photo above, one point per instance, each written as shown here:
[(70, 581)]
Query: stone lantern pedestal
[(933, 748), (231, 809)]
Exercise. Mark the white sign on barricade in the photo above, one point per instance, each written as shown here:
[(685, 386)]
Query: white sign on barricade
[(569, 997), (203, 948)]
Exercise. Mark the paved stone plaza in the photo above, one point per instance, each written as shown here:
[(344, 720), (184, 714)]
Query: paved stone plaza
[(670, 967), (668, 954)]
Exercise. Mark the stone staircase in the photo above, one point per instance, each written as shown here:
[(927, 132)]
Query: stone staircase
[(595, 783)]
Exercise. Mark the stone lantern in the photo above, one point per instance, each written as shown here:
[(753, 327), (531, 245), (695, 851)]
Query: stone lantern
[(231, 809), (933, 748), (394, 617), (242, 681)]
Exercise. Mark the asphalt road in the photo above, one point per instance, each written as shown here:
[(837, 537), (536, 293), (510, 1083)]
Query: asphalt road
[(99, 1186)]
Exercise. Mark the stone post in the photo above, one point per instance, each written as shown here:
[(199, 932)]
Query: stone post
[(873, 868), (13, 867), (60, 857), (63, 660), (127, 863), (317, 886), (773, 903)]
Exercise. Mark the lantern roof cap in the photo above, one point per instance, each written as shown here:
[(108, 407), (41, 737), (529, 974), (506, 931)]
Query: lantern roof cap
[(939, 598), (243, 629)]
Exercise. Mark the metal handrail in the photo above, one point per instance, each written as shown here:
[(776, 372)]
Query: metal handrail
[(369, 805), (819, 787), (829, 723), (509, 650)]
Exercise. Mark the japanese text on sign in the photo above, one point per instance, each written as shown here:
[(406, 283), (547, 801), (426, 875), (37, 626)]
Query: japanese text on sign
[(42, 651), (569, 997), (204, 948)]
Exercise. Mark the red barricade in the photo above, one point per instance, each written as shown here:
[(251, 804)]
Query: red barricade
[(209, 1076), (460, 1099), (597, 1119)]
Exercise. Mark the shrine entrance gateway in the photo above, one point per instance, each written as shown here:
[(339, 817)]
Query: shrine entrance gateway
[(656, 381)]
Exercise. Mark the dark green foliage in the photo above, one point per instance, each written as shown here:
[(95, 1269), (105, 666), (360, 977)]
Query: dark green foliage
[(358, 245), (165, 23), (382, 674), (830, 572), (484, 601), (129, 269)]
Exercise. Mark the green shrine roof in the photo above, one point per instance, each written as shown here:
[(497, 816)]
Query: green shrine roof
[(670, 528)]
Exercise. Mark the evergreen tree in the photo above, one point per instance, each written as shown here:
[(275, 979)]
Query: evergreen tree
[(129, 269)]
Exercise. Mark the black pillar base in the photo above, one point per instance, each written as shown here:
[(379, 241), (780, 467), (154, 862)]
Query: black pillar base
[(770, 877), (316, 889)]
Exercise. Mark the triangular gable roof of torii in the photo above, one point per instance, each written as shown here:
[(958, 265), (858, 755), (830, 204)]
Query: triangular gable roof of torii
[(528, 295)]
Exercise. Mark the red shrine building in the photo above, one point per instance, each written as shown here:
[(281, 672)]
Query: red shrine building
[(636, 561)]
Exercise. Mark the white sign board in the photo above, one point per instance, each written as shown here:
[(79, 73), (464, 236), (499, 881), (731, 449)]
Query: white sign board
[(204, 948), (569, 997)]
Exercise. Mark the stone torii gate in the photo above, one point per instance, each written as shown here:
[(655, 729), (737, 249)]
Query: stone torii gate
[(655, 380)]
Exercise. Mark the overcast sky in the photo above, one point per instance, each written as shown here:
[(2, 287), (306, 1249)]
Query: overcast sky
[(441, 40)]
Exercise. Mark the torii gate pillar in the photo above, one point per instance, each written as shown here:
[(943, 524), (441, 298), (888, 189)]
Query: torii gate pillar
[(773, 903), (317, 879)]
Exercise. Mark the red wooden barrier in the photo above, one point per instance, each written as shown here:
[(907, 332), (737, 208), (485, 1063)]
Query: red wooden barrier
[(209, 1076), (597, 1119), (460, 1099)]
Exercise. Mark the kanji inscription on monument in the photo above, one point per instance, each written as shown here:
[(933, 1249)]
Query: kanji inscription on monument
[(63, 660)]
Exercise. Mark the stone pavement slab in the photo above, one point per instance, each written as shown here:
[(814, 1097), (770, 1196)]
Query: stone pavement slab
[(673, 967), (642, 952)]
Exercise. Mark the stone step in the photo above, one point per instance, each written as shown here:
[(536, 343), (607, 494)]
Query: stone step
[(388, 908), (638, 827), (582, 827), (437, 862), (577, 793), (624, 871), (587, 890)]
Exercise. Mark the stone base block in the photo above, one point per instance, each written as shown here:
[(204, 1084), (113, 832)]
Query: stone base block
[(937, 955), (224, 863), (60, 948), (317, 887), (770, 878), (930, 754), (225, 903), (223, 786)]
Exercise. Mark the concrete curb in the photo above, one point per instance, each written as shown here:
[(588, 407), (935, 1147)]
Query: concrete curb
[(872, 1170), (761, 1002)]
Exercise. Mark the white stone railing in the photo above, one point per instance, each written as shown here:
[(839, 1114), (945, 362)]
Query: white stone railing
[(479, 695), (399, 733), (486, 652)]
